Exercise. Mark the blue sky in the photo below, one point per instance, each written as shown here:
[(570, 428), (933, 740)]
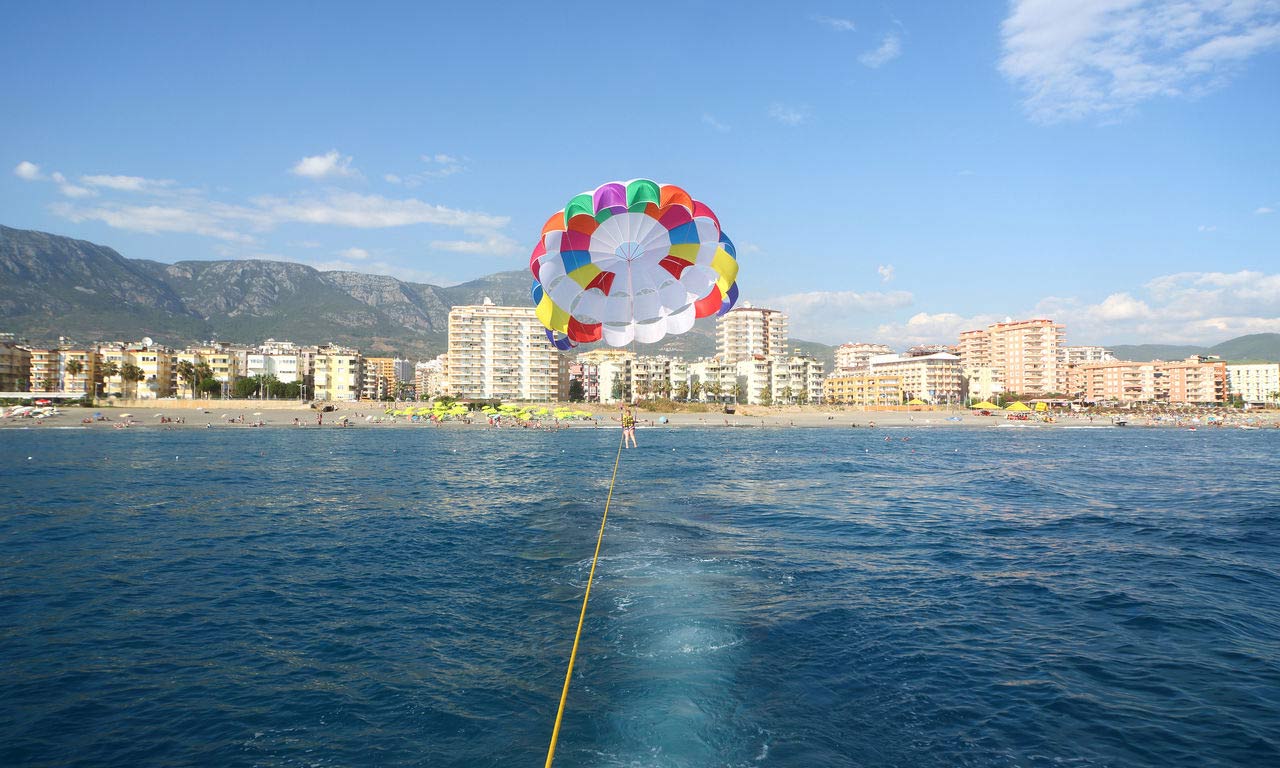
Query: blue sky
[(890, 172)]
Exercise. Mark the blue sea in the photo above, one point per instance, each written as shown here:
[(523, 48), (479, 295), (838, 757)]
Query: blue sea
[(765, 597)]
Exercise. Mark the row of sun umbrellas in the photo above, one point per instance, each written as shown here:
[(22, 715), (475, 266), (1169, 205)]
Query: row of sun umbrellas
[(1014, 406), (443, 410)]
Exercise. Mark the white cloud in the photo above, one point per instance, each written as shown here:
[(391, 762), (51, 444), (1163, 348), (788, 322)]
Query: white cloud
[(709, 119), (350, 209), (397, 271), (329, 165), (1120, 306), (839, 25), (490, 245), (127, 183), (791, 116), (28, 171), (391, 178), (890, 48), (1206, 228), (1263, 210), (356, 254), (154, 219), (1074, 59), (885, 271), (829, 316), (930, 328)]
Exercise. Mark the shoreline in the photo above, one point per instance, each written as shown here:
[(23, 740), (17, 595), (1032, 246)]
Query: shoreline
[(241, 415)]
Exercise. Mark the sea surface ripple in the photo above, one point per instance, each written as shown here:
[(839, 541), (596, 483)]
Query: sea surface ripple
[(888, 597)]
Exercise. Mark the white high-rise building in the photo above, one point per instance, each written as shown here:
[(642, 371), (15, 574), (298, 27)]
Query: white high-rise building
[(748, 332), (1254, 383), (932, 378), (502, 353), (1081, 355), (853, 357)]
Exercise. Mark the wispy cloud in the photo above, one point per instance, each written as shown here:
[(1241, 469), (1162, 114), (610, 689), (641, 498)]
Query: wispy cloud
[(331, 164), (890, 48), (438, 166), (817, 315), (155, 219), (839, 25), (1264, 209), (1100, 58), (127, 183), (491, 245), (789, 115), (1207, 228), (28, 171), (355, 254), (885, 271), (709, 119)]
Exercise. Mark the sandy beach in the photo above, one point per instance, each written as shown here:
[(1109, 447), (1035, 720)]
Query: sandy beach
[(240, 414)]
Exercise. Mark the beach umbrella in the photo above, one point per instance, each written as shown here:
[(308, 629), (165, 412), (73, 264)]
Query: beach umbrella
[(916, 401), (631, 261), (1018, 407), (984, 405)]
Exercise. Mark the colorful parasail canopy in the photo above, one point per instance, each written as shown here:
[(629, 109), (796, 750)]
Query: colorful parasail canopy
[(631, 261)]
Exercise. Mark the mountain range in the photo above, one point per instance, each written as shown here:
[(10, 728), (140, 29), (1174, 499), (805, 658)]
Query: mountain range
[(53, 286)]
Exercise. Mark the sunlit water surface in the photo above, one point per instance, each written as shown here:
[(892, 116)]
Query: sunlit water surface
[(764, 597)]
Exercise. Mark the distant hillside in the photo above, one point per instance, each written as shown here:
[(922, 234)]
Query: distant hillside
[(1256, 347), (54, 286)]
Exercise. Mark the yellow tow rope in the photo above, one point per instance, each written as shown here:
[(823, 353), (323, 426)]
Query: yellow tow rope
[(568, 675)]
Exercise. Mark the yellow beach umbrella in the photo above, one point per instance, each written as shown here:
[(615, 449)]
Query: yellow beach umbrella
[(1018, 407), (985, 405)]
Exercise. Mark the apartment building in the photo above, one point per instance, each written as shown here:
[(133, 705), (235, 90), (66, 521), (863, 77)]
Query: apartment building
[(1118, 381), (502, 353), (1196, 380), (1028, 356), (862, 389), (154, 363), (615, 381), (935, 378), (747, 332), (15, 367), (1088, 354), (853, 357), (1255, 383), (431, 378), (338, 373)]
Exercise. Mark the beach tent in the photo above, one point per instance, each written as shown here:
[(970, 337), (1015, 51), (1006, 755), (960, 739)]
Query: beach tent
[(1018, 407), (984, 405), (916, 401)]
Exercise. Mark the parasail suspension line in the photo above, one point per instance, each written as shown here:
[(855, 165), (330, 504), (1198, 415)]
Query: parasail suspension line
[(573, 654)]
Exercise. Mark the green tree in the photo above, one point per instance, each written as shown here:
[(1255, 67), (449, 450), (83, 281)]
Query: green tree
[(681, 391), (766, 396), (131, 374), (243, 386), (712, 390), (618, 388), (695, 391), (576, 394), (739, 392), (211, 387), (786, 394)]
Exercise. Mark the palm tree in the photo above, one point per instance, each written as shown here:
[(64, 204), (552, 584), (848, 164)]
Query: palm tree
[(132, 374), (74, 367), (109, 369), (186, 371)]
